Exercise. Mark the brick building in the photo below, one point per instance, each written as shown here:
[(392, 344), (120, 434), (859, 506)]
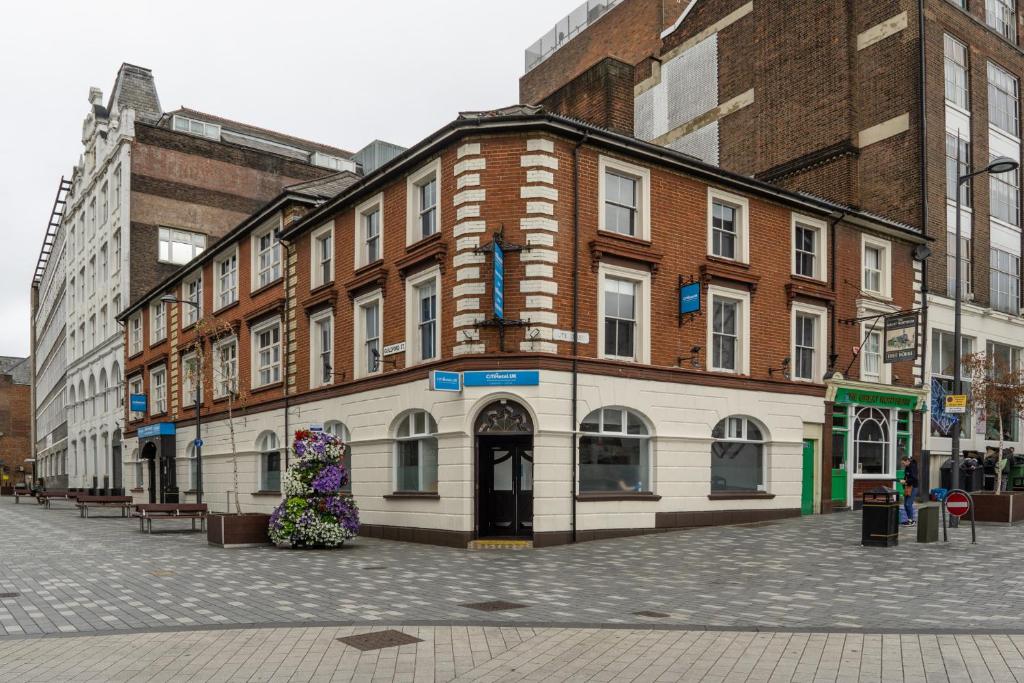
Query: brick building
[(15, 422), (151, 190), (865, 103), (374, 315)]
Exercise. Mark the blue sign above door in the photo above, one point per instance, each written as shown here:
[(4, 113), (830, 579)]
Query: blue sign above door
[(501, 378), (158, 429), (137, 403), (442, 380)]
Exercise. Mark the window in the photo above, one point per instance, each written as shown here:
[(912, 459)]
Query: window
[(1001, 15), (92, 330), (423, 209), (957, 92), (227, 280), (322, 352), (195, 127), (225, 355), (92, 275), (954, 172), (729, 330), (192, 291), (116, 254), (808, 343), (367, 333), (942, 373), (81, 338), (190, 380), (158, 391), (1001, 421), (193, 468), (267, 257), (104, 204), (876, 266), (332, 162), (270, 461), (72, 288), (368, 231), (615, 452), (620, 203), (180, 246), (135, 387), (727, 230), (81, 285), (737, 455), (157, 314), (1002, 100), (1004, 194), (619, 318), (809, 239), (416, 453), (116, 199), (872, 269), (422, 315), (103, 322), (135, 334), (340, 431), (92, 217), (323, 256), (1005, 281), (966, 264), (104, 274), (871, 441), (267, 342), (871, 357)]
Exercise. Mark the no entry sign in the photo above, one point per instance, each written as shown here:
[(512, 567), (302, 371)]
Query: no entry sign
[(958, 503)]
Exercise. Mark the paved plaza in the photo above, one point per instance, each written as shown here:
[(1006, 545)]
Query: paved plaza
[(799, 599)]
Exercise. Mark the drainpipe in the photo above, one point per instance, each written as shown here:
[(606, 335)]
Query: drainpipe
[(575, 318), (924, 187), (286, 338), (832, 283)]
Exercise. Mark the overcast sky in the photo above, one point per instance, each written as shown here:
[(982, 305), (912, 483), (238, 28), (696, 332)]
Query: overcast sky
[(341, 72)]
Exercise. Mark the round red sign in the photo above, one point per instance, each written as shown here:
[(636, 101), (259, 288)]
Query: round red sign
[(958, 503)]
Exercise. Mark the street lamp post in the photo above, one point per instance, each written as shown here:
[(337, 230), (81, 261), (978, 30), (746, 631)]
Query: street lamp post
[(169, 299), (998, 165)]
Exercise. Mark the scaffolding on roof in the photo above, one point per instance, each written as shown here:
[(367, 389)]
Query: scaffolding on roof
[(56, 215)]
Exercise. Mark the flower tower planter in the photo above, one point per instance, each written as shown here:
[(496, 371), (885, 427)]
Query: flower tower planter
[(315, 512)]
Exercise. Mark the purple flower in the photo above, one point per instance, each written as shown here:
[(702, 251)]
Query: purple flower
[(328, 480)]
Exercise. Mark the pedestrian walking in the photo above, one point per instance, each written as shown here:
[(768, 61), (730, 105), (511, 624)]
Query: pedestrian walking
[(910, 484)]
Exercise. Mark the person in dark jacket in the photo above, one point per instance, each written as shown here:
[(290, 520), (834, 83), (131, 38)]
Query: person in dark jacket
[(910, 485)]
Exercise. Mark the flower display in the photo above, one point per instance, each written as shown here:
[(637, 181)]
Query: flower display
[(315, 513)]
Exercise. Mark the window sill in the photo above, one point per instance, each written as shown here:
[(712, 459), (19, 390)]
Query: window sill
[(270, 285), (597, 496), (428, 495), (160, 414), (218, 311), (221, 399), (740, 495), (137, 489), (322, 287), (135, 355), (266, 387), (263, 493)]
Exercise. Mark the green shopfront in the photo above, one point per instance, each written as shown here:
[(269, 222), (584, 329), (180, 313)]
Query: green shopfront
[(871, 431)]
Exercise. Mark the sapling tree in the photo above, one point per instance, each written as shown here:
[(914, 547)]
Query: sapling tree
[(996, 394)]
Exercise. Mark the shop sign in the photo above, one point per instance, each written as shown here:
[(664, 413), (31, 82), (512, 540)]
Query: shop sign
[(877, 399), (956, 404), (443, 380), (316, 428), (499, 280), (566, 336), (689, 298), (137, 403), (501, 378), (158, 429), (901, 337), (392, 349)]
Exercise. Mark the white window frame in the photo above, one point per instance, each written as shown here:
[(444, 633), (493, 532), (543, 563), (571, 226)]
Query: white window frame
[(742, 206), (115, 252), (263, 448), (254, 333), (359, 354), (268, 228), (134, 334), (316, 351), (157, 402), (315, 259), (412, 193), (188, 389), (218, 287), (642, 176), (743, 328), (196, 250), (157, 322), (219, 378), (190, 315), (190, 126), (642, 310), (413, 352), (820, 245), (135, 386), (820, 342), (418, 438), (361, 255), (886, 279), (884, 369)]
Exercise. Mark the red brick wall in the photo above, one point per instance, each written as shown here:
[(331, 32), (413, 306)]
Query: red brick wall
[(15, 429), (602, 95)]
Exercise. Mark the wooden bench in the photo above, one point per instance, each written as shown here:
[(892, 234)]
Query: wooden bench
[(85, 502), (22, 493), (147, 512), (46, 497)]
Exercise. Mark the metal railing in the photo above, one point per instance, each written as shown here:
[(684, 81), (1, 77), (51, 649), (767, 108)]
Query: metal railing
[(566, 29)]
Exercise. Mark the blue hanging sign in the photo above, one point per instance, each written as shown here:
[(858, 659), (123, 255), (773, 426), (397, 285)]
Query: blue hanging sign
[(501, 378), (442, 380), (158, 429), (689, 298), (137, 403), (499, 281)]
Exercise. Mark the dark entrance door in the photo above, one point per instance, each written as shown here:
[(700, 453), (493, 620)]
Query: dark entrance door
[(504, 448), (115, 463), (149, 455)]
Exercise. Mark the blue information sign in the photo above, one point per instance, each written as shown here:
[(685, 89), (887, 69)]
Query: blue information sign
[(159, 429), (442, 380), (689, 298), (198, 443), (501, 378), (137, 403), (499, 281)]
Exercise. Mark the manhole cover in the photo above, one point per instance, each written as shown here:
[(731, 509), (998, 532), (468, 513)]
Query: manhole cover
[(379, 640), (9, 595), (493, 606), (652, 615), (162, 572)]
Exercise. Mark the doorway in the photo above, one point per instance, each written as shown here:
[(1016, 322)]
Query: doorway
[(504, 447), (149, 455), (807, 491)]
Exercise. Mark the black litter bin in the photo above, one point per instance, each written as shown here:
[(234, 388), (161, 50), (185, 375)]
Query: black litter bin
[(881, 509), (972, 475)]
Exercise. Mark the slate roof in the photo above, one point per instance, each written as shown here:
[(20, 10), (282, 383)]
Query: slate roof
[(325, 188), (18, 367), (134, 88)]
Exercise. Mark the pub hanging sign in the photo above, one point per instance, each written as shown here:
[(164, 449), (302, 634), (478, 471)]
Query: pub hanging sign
[(901, 337)]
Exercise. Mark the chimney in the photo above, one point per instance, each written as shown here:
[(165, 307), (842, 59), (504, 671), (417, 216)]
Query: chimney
[(95, 96)]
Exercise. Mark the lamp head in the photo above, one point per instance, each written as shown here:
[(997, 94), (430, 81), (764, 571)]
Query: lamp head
[(169, 299), (1002, 165)]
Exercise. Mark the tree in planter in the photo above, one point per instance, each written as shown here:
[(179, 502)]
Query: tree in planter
[(315, 513), (997, 392)]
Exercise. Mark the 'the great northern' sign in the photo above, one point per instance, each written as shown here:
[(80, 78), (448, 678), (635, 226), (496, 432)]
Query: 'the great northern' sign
[(901, 337)]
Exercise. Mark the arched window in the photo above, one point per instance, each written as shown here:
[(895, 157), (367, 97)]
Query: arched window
[(416, 453), (340, 431), (103, 388), (140, 479), (193, 470), (82, 397), (115, 382), (737, 455), (270, 461), (92, 395), (71, 401), (871, 441), (615, 452)]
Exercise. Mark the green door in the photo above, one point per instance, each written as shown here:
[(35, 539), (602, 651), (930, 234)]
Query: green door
[(839, 469), (807, 495)]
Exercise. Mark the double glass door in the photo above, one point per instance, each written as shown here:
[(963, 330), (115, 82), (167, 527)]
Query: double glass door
[(506, 486)]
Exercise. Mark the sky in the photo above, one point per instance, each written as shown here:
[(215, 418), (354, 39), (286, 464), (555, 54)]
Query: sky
[(343, 73)]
